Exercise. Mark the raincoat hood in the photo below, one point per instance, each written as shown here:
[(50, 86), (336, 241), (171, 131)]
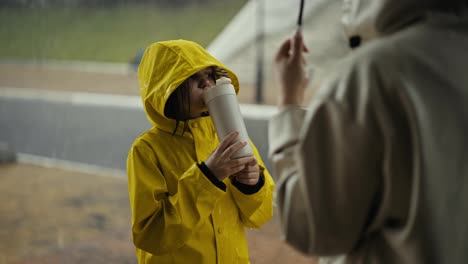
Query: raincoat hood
[(364, 20), (166, 65)]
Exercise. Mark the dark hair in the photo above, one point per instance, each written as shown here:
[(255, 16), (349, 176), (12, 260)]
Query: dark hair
[(178, 105)]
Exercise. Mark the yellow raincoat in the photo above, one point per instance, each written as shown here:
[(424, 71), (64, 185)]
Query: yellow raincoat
[(178, 214)]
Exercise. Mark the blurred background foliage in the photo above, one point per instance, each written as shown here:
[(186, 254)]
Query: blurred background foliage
[(105, 30), (100, 3)]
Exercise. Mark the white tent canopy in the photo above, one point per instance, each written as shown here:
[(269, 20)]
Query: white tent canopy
[(323, 33)]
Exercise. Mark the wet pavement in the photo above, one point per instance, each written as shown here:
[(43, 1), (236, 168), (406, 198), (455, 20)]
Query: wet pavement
[(54, 216)]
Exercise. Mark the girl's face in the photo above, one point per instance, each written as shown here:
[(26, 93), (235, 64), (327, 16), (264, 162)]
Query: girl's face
[(198, 84)]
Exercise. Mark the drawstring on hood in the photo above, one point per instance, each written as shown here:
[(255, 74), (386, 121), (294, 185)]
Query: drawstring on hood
[(164, 67), (365, 20)]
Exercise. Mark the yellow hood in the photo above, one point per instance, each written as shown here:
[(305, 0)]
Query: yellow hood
[(164, 66)]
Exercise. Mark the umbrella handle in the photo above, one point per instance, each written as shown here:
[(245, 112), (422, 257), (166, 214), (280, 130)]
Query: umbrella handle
[(299, 19)]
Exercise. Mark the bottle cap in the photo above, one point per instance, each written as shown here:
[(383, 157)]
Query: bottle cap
[(223, 80), (223, 87)]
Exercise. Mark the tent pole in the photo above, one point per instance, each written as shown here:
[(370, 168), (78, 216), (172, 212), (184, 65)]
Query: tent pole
[(260, 43)]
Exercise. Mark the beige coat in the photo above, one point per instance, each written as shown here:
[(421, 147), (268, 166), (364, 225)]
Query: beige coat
[(376, 169)]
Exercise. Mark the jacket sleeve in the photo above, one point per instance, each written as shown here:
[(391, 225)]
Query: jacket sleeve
[(162, 222), (257, 208), (325, 160), (283, 136)]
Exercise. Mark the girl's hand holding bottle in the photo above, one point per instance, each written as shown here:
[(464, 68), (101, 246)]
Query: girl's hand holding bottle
[(221, 164)]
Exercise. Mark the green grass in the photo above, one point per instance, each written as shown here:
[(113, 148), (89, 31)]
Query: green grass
[(106, 34)]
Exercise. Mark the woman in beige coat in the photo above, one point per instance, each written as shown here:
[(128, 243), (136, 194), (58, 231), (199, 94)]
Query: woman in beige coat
[(376, 169)]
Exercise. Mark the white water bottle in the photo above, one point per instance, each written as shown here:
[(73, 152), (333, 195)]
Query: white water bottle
[(223, 106)]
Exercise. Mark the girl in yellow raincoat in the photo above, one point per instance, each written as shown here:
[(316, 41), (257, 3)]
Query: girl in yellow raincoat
[(190, 201)]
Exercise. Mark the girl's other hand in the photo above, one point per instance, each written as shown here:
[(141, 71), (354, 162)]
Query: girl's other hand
[(250, 174), (220, 162)]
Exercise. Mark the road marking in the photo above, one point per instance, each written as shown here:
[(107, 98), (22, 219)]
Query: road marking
[(258, 112), (250, 111), (74, 98), (68, 165)]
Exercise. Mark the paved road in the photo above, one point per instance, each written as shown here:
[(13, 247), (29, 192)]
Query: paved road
[(90, 134), (93, 129)]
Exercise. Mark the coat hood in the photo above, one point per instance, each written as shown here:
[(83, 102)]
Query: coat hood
[(364, 20), (166, 65)]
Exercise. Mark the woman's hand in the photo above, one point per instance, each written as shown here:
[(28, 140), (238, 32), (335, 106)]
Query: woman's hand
[(250, 174), (220, 162), (290, 67)]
